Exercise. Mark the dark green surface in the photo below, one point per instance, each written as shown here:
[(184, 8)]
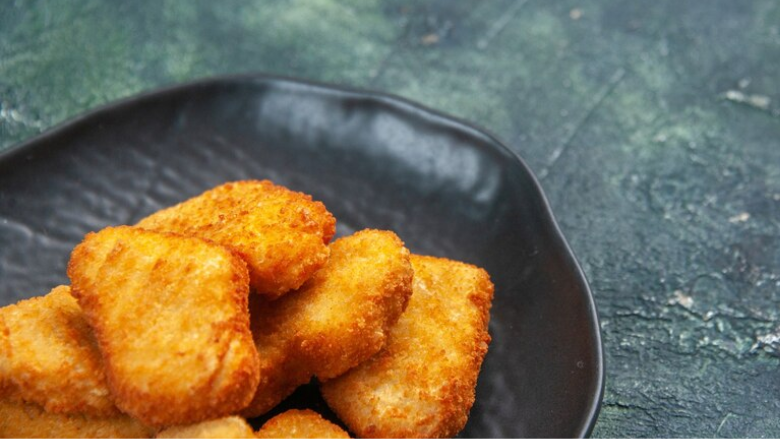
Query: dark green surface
[(653, 126)]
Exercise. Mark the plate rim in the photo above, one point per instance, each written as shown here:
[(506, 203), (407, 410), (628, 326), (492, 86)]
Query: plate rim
[(594, 408)]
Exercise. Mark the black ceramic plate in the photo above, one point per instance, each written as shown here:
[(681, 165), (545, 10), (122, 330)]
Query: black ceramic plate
[(447, 188)]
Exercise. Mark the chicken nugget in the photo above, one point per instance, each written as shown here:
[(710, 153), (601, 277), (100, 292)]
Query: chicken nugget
[(48, 356), (338, 319), (282, 235), (170, 315), (229, 427), (422, 384), (300, 424), (30, 420), (281, 371)]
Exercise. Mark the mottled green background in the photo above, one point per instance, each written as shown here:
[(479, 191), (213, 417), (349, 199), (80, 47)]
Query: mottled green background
[(653, 126)]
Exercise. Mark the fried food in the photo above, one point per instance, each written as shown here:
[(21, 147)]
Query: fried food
[(48, 356), (281, 372), (30, 420), (229, 427), (300, 424), (338, 319), (422, 384), (282, 235), (170, 315)]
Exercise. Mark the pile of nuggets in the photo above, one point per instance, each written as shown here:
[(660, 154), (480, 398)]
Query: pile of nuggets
[(215, 310)]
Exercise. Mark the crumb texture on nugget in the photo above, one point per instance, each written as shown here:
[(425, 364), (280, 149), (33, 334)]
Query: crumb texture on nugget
[(281, 234), (338, 319), (170, 315), (422, 384), (30, 420), (233, 427), (48, 356), (300, 424)]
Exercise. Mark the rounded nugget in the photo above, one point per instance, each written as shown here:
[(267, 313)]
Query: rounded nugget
[(338, 319), (300, 424), (422, 384), (171, 319), (281, 234), (48, 356), (229, 427)]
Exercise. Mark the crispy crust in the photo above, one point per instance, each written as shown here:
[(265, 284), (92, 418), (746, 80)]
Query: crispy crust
[(338, 319), (422, 384), (171, 319), (30, 420), (229, 427), (282, 235), (280, 371), (48, 356), (300, 424)]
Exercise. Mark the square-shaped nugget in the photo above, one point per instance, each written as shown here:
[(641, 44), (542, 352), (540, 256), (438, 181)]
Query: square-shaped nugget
[(282, 235), (422, 383), (48, 356), (170, 314), (335, 321)]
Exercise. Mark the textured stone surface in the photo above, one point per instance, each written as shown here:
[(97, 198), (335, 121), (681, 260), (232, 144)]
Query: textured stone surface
[(653, 126)]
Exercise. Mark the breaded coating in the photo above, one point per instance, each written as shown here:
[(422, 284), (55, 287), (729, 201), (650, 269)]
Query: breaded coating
[(422, 384), (48, 356), (300, 424), (170, 315), (281, 372), (30, 420), (338, 319), (229, 427), (282, 235)]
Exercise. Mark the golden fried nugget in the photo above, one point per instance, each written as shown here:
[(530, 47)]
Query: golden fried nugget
[(422, 383), (48, 356), (170, 314), (30, 420), (282, 235), (229, 427), (281, 372), (300, 424), (337, 320)]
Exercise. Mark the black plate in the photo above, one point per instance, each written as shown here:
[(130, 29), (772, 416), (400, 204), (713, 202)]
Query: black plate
[(447, 188)]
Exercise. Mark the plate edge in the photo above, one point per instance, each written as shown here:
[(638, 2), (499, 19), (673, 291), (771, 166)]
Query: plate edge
[(387, 98)]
